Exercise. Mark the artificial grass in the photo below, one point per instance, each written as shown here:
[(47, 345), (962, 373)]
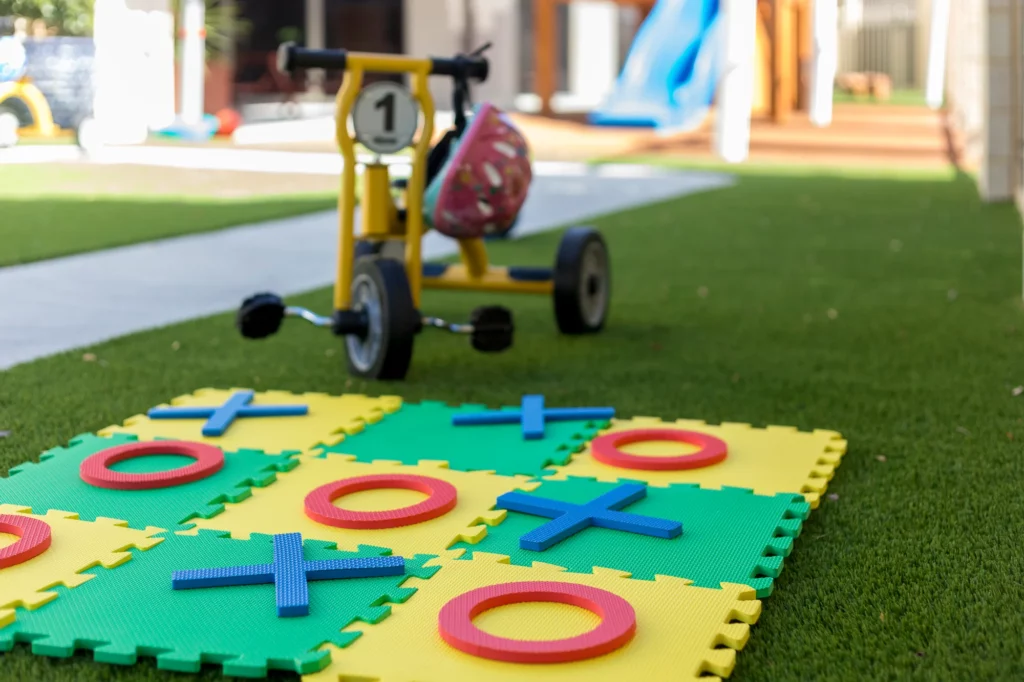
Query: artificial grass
[(890, 311), (898, 97), (37, 228)]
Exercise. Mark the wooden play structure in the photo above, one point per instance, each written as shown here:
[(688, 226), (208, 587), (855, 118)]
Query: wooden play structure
[(783, 54)]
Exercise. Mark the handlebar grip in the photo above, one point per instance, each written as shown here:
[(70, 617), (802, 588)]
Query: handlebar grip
[(467, 67), (291, 57)]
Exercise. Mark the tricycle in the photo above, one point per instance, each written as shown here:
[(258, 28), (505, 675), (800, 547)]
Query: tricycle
[(469, 186)]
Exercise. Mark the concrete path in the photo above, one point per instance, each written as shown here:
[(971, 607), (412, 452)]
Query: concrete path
[(62, 304)]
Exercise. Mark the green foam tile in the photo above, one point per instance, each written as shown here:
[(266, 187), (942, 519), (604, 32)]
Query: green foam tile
[(729, 535), (54, 483), (424, 431), (131, 611)]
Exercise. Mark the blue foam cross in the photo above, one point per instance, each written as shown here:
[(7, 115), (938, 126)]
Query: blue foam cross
[(289, 573), (600, 512), (220, 418), (532, 416)]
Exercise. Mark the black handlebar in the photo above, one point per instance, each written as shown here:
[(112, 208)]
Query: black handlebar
[(462, 67)]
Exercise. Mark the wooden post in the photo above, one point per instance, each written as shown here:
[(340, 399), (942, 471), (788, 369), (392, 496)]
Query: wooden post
[(544, 50), (782, 97), (805, 52)]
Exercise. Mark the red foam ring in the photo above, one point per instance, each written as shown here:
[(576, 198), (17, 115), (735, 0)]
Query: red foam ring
[(442, 498), (96, 471), (606, 449), (617, 627), (34, 539)]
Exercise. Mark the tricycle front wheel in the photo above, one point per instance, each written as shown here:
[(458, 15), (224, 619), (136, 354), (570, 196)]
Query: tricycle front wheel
[(380, 292)]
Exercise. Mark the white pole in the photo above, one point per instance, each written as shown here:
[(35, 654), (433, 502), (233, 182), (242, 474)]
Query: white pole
[(826, 57), (935, 88), (192, 38), (316, 38), (593, 50), (736, 89)]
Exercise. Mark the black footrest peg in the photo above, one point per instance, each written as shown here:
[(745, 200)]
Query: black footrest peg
[(492, 329)]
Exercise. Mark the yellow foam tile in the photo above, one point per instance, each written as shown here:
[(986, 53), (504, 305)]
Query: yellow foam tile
[(678, 628), (776, 459), (280, 508), (328, 420), (75, 546)]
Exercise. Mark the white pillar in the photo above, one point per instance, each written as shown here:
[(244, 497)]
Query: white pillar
[(826, 55), (853, 12), (935, 88), (192, 39), (316, 38), (593, 49), (736, 89)]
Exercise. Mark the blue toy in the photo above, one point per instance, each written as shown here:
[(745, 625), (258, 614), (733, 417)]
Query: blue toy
[(601, 512), (532, 416), (289, 573), (220, 418)]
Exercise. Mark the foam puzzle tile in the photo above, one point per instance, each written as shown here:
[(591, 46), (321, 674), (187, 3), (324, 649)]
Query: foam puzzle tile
[(729, 535), (678, 628), (499, 447), (280, 508), (75, 547), (55, 483), (776, 459), (133, 611), (328, 419)]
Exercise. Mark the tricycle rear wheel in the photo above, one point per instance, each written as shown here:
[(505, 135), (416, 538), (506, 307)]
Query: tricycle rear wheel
[(582, 282), (380, 291)]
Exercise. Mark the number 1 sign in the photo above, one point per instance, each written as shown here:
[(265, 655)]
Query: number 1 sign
[(385, 117)]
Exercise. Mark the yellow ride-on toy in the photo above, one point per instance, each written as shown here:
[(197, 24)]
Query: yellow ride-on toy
[(469, 185)]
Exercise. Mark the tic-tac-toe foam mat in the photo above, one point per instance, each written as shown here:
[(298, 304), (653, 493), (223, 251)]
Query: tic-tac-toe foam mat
[(361, 538)]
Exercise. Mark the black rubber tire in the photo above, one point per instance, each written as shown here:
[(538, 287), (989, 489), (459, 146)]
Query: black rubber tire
[(381, 289), (260, 316), (582, 282)]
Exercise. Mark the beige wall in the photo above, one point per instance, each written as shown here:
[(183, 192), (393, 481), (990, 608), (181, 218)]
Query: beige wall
[(435, 28)]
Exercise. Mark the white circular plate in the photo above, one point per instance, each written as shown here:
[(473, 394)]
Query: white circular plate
[(385, 117)]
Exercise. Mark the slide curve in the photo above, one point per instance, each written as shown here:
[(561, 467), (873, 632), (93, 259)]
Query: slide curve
[(672, 69)]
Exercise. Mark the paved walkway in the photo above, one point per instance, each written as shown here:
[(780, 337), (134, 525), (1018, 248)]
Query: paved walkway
[(62, 304)]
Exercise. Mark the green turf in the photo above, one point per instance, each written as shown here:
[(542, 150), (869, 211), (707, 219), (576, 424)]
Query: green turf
[(902, 98), (38, 227), (888, 310)]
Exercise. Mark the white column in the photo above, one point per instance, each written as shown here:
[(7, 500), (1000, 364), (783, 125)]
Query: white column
[(935, 87), (159, 44), (316, 38), (192, 39), (736, 89), (826, 55), (853, 12), (995, 178), (593, 49)]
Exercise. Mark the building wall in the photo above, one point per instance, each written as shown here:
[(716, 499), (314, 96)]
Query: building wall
[(436, 28)]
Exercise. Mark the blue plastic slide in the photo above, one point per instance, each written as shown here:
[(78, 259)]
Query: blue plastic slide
[(671, 71)]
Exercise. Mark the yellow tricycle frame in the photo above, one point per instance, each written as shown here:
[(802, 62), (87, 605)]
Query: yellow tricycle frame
[(380, 216)]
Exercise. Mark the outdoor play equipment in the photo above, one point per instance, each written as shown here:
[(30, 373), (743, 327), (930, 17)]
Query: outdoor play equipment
[(667, 72), (24, 110), (467, 186), (672, 70)]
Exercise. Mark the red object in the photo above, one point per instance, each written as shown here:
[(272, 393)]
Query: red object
[(34, 539), (442, 499), (618, 623), (229, 121), (606, 449), (95, 470)]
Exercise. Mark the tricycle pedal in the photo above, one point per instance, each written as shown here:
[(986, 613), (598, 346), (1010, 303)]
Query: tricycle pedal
[(492, 329)]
